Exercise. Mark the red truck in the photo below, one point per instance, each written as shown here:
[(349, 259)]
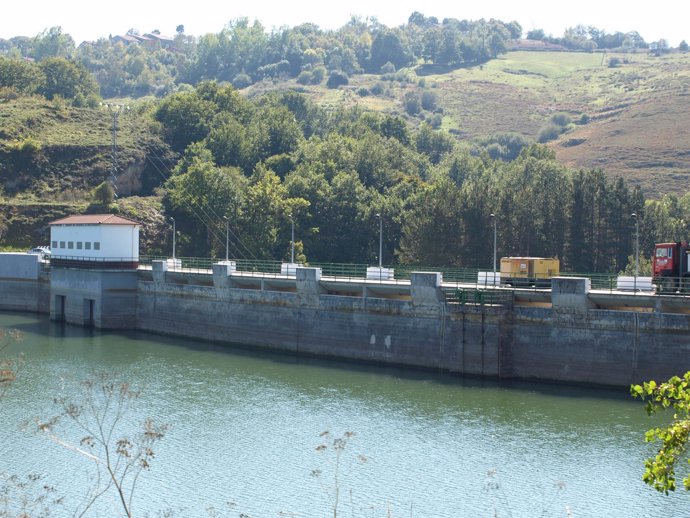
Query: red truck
[(671, 267)]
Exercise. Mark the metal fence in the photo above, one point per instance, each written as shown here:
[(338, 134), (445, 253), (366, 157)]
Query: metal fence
[(461, 277)]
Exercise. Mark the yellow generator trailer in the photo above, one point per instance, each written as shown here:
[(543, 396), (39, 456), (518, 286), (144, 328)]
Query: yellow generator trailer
[(529, 271)]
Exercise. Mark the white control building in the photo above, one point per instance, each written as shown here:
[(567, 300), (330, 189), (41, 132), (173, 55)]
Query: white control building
[(95, 241)]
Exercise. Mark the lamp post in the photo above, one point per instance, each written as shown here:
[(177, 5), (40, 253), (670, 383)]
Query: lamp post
[(378, 215), (173, 223), (227, 237), (637, 249), (493, 220), (292, 240)]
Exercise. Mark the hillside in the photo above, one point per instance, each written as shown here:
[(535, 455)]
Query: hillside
[(637, 112), (52, 150)]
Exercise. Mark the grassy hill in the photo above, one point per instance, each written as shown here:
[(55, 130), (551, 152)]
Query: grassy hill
[(630, 113), (636, 107), (52, 155)]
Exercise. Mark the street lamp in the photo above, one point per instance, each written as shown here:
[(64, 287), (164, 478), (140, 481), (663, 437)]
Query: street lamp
[(173, 223), (493, 220), (292, 240), (637, 249), (227, 237), (378, 215)]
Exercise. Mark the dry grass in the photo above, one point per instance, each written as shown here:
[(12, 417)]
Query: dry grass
[(639, 111)]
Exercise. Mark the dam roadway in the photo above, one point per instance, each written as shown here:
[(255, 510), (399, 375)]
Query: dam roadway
[(613, 299)]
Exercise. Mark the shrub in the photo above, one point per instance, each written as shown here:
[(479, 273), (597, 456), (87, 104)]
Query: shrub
[(241, 80), (435, 121), (549, 132), (561, 119), (304, 77), (318, 75), (363, 92), (377, 89), (388, 68), (336, 79), (8, 93), (104, 193), (584, 119), (412, 103), (429, 100), (28, 146)]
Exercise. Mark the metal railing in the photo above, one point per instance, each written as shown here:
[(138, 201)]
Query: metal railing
[(466, 278), (477, 297)]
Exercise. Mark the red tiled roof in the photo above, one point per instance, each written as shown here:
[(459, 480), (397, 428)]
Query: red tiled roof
[(95, 219)]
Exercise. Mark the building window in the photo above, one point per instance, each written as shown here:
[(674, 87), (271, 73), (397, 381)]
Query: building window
[(87, 245), (79, 245), (55, 244), (62, 244), (70, 244), (96, 245)]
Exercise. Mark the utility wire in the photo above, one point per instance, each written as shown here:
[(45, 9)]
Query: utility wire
[(202, 213)]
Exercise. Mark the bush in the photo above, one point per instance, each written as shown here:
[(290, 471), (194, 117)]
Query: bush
[(304, 77), (28, 146), (435, 121), (584, 119), (336, 79), (8, 93), (363, 92), (388, 68), (549, 132), (429, 100), (318, 75), (412, 103), (242, 80), (377, 89), (103, 194), (561, 119)]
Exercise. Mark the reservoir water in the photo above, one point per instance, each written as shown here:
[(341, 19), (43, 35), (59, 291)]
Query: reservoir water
[(244, 431)]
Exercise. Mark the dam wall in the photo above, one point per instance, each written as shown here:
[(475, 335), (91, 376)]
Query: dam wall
[(399, 332), (24, 283), (571, 339)]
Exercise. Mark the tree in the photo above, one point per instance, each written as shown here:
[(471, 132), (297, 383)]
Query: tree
[(536, 34), (661, 470), (23, 76), (52, 43), (186, 118), (104, 193), (336, 79), (387, 46), (683, 46), (67, 79)]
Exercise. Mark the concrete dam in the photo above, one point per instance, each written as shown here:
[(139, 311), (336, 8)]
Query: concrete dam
[(568, 334)]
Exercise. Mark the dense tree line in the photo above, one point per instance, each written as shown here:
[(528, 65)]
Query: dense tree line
[(266, 162), (589, 38), (243, 52)]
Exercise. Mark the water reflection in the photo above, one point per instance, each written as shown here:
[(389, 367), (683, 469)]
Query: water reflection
[(245, 425)]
